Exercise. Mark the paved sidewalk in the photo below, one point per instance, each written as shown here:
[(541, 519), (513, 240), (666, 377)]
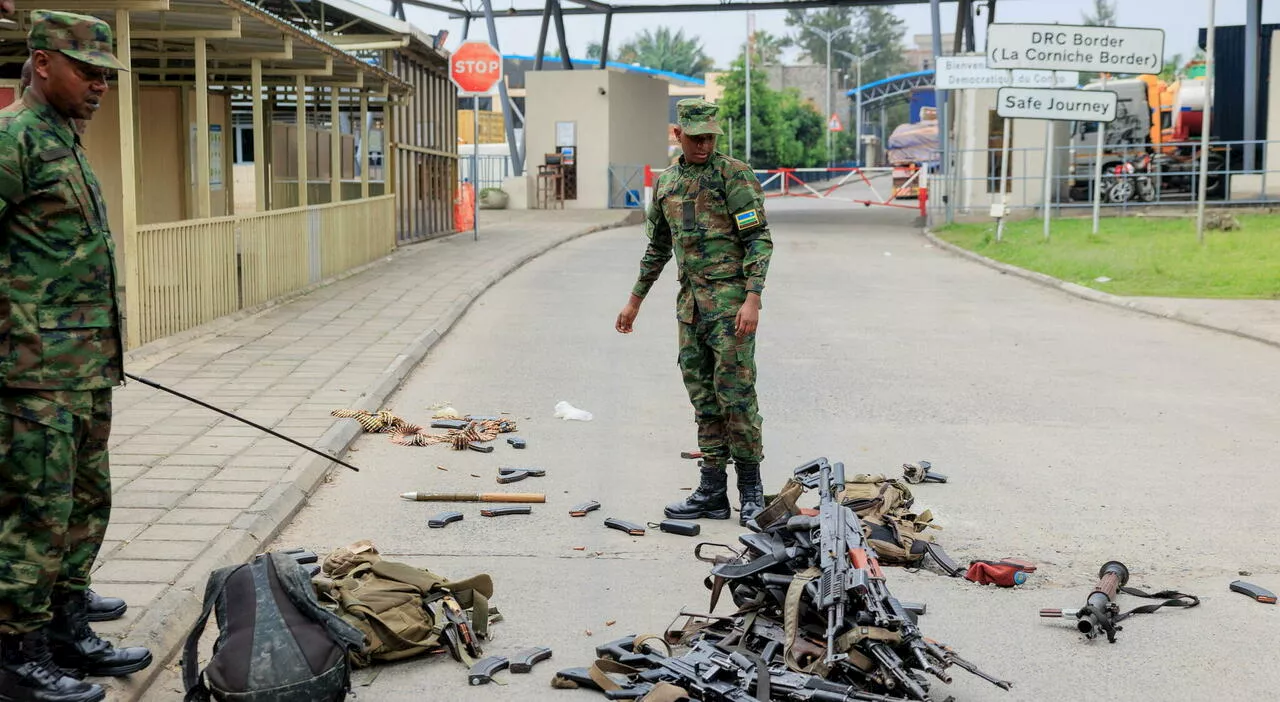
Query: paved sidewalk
[(194, 491), (1258, 320)]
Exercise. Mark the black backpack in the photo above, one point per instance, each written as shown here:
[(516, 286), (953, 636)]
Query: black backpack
[(275, 642)]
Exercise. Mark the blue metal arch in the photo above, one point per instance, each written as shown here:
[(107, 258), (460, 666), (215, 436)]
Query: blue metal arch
[(893, 85)]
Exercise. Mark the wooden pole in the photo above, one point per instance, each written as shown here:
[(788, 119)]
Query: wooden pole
[(335, 148), (128, 186), (259, 140), (1203, 180), (203, 206), (364, 144), (300, 118)]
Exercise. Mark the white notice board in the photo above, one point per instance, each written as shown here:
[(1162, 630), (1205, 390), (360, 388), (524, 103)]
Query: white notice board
[(966, 72), (566, 134)]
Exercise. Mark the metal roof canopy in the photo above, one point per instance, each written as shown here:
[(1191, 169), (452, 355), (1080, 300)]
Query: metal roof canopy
[(354, 27), (236, 32)]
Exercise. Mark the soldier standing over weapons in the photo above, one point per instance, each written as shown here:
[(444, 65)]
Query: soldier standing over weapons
[(709, 210), (61, 352)]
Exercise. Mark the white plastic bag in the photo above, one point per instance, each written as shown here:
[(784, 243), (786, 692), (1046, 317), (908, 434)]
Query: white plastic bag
[(566, 411)]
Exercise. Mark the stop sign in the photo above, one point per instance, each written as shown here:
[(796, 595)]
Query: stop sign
[(475, 67)]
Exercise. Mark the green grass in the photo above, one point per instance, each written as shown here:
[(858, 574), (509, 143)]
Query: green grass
[(1154, 256)]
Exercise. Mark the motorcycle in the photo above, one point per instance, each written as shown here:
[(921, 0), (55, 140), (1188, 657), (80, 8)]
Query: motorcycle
[(1126, 180)]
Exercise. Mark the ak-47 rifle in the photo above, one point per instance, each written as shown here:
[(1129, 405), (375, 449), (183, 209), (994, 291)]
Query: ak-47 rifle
[(850, 565), (711, 674)]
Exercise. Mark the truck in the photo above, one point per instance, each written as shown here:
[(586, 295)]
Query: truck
[(913, 146), (1158, 126)]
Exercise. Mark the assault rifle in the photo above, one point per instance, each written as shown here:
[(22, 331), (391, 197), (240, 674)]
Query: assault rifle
[(850, 565), (712, 674)]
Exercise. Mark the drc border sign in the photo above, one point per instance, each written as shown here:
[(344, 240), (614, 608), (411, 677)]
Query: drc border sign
[(1048, 103), (1060, 47), (475, 67)]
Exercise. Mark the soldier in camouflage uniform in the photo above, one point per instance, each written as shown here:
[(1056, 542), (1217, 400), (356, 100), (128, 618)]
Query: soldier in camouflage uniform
[(709, 210), (61, 352)]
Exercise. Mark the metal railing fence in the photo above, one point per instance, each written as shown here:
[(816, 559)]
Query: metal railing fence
[(492, 170), (1164, 176), (192, 272)]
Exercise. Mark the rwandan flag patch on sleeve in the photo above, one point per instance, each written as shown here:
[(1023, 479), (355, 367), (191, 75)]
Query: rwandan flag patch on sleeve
[(747, 220)]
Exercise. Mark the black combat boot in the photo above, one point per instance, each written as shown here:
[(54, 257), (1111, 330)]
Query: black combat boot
[(28, 673), (709, 501), (104, 609), (75, 646), (750, 491)]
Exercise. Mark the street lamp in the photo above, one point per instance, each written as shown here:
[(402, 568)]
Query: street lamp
[(828, 36), (857, 144)]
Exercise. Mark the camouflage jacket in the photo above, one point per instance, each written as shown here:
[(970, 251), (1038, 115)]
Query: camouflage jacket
[(711, 216), (59, 317)]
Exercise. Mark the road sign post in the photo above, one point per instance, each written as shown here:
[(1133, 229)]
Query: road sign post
[(475, 68), (1052, 104), (1051, 47), (970, 73)]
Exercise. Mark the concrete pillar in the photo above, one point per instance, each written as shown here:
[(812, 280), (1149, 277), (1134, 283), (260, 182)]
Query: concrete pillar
[(203, 206)]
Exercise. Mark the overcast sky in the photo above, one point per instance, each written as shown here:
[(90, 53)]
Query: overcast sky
[(722, 33)]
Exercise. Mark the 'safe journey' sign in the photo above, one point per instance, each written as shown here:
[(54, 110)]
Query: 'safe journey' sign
[(1046, 103), (1051, 47)]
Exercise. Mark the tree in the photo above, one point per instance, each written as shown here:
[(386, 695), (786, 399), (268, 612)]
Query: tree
[(785, 131), (661, 50), (878, 28), (1104, 15), (1172, 68), (814, 44), (768, 48)]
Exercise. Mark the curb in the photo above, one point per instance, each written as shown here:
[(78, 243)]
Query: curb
[(1127, 303), (165, 625)]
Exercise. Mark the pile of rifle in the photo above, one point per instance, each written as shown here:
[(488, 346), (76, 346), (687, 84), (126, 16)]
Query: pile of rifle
[(815, 620)]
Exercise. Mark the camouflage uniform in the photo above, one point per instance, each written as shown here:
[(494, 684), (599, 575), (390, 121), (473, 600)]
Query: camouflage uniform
[(61, 350), (710, 216)]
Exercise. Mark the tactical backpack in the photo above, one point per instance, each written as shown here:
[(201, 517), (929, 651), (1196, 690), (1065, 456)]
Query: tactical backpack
[(899, 535), (404, 611), (275, 642)]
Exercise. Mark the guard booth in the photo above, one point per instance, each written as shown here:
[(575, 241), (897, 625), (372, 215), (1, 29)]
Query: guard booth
[(160, 147)]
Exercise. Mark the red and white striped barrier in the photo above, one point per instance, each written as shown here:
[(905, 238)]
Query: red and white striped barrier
[(786, 178)]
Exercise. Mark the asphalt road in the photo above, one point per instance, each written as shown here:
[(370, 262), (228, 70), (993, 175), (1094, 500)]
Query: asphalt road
[(1073, 433)]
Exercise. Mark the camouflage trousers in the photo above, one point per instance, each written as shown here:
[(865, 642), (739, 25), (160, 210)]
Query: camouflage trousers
[(55, 498), (719, 372)]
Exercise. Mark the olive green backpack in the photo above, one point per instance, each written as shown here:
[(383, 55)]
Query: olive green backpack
[(404, 611)]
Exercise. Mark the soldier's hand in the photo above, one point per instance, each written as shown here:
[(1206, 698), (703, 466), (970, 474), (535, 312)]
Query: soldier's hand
[(7, 8), (748, 316), (626, 317)]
